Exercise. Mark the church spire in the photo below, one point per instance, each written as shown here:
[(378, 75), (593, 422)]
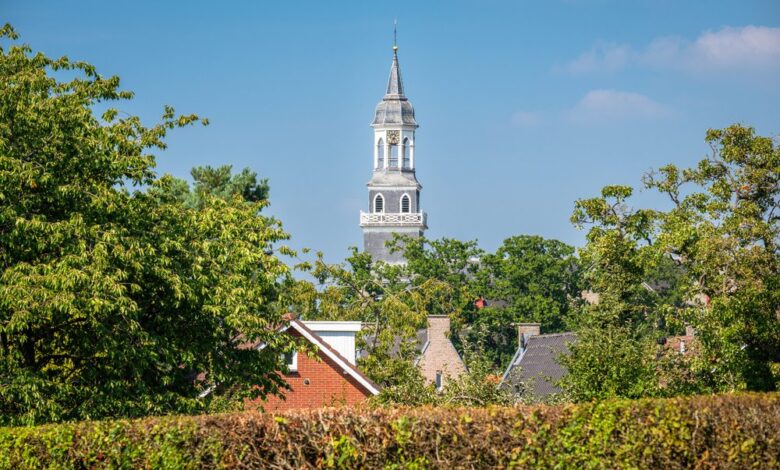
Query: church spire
[(395, 86), (395, 108), (393, 191)]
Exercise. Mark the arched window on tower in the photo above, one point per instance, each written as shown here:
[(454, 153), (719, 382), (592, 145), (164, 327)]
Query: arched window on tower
[(379, 203), (406, 204), (393, 161), (405, 151), (380, 154)]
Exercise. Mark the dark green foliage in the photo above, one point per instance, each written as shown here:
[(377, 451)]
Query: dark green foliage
[(727, 431), (113, 294), (536, 278), (531, 279), (528, 279), (477, 387), (221, 183), (712, 261), (610, 361)]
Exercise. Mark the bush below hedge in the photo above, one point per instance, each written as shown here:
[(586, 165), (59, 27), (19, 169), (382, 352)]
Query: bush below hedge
[(726, 431)]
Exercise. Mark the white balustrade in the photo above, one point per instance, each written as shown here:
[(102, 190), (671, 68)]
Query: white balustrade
[(378, 218)]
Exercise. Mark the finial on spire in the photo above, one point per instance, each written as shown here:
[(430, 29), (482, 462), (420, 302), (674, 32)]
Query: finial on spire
[(395, 35)]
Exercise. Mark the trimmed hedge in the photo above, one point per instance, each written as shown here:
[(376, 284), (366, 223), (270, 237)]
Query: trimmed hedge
[(725, 431)]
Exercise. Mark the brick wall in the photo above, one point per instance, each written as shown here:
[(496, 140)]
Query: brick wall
[(440, 354), (316, 384)]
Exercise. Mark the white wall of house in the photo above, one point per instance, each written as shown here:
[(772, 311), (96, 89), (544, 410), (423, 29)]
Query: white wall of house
[(340, 335)]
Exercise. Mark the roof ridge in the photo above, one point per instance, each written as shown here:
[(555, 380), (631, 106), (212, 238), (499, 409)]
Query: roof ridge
[(550, 335), (329, 349)]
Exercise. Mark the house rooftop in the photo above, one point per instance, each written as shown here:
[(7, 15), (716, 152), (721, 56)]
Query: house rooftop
[(536, 366)]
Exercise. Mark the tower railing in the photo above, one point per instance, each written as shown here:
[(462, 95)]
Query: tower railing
[(395, 219)]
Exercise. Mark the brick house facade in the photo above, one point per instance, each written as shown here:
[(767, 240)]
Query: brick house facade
[(327, 379)]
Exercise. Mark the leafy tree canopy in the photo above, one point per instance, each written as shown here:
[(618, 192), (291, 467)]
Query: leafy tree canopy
[(441, 277), (113, 294), (221, 183), (528, 279), (711, 262)]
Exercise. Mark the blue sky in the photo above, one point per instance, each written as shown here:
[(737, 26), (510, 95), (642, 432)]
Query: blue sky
[(524, 106)]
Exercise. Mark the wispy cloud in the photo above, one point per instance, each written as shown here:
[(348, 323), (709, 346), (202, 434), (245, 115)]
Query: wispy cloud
[(598, 107), (603, 56), (611, 105), (526, 119), (751, 47)]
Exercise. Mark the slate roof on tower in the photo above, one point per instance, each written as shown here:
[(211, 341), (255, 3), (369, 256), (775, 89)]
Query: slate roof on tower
[(395, 108), (395, 180)]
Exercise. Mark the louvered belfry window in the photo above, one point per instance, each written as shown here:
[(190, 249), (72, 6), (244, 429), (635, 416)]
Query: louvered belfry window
[(380, 152), (405, 203), (379, 203), (405, 157), (393, 159)]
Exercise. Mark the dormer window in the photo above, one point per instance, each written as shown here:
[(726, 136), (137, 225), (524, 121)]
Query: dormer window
[(379, 203), (405, 204)]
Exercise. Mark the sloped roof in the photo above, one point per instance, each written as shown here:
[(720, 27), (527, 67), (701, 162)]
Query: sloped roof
[(334, 355), (395, 108), (405, 179), (317, 340), (536, 366)]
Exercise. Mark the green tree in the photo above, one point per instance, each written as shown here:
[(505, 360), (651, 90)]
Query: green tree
[(447, 260), (535, 277), (711, 262), (113, 294), (723, 231), (611, 361), (616, 348), (479, 386), (221, 183), (380, 296), (528, 279)]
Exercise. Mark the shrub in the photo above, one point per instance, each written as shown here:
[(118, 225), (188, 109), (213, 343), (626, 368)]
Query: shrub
[(734, 431)]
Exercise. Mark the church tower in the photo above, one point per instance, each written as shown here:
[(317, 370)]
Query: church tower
[(393, 191)]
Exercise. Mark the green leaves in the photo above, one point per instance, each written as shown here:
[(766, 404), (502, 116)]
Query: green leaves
[(712, 261), (113, 300)]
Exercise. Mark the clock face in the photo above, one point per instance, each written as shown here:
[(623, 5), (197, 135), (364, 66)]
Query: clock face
[(393, 137)]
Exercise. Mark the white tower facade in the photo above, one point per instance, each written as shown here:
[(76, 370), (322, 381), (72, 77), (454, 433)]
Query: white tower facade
[(393, 191)]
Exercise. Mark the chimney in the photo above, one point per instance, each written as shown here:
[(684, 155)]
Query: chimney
[(438, 327), (689, 331), (526, 330)]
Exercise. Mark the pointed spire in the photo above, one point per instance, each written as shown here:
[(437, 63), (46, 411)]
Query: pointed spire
[(395, 86), (394, 109)]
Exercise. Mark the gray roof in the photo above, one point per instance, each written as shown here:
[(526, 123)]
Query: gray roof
[(394, 179), (394, 109), (536, 366)]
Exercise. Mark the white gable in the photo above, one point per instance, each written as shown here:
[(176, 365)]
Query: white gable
[(340, 335)]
